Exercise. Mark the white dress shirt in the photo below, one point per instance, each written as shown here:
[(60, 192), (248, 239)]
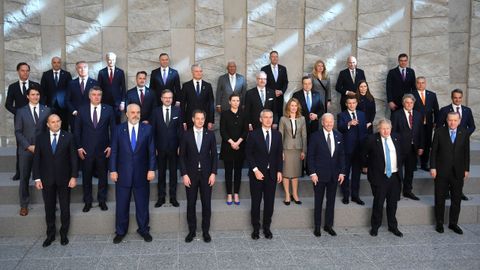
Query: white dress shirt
[(139, 94), (393, 154), (198, 137), (130, 126), (27, 84), (113, 71), (455, 109), (195, 85), (233, 80), (407, 115), (99, 111)]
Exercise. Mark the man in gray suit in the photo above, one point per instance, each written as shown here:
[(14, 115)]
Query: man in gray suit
[(29, 122), (230, 83)]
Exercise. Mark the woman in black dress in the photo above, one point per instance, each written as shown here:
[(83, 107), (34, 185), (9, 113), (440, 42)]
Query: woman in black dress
[(366, 104), (233, 130)]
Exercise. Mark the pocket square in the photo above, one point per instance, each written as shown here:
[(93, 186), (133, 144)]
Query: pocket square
[(175, 117), (270, 99), (338, 142)]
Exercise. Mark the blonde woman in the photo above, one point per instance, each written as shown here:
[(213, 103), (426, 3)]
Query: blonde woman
[(294, 135), (321, 82)]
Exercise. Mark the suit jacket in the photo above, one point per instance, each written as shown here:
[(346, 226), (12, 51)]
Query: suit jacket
[(345, 82), (446, 155), (15, 99), (190, 101), (373, 158), (291, 141), (173, 83), (253, 105), (466, 122), (26, 130), (224, 90), (319, 159), (75, 98), (397, 87), (94, 140), (258, 156), (54, 94), (430, 109), (317, 108), (149, 102), (190, 157), (408, 136), (167, 138), (113, 93), (132, 165), (354, 136), (55, 168), (282, 79)]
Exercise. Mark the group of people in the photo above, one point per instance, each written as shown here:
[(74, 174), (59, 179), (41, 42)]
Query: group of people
[(171, 126)]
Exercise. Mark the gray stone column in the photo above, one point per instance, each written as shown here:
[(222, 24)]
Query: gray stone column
[(52, 20), (473, 92), (235, 27), (458, 36), (3, 93)]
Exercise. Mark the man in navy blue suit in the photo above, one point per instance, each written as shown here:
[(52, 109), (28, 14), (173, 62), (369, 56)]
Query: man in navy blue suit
[(400, 81), (277, 80), (348, 80), (93, 128), (143, 96), (408, 123), (167, 123), (132, 168), (165, 77), (198, 165), (326, 159), (426, 103), (264, 152), (54, 84), (112, 80), (353, 125), (77, 91)]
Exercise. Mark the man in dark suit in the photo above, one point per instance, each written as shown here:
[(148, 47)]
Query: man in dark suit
[(17, 98), (400, 81), (93, 128), (230, 83), (258, 99), (352, 124), (198, 165), (264, 152), (77, 91), (348, 80), (277, 80), (426, 103), (312, 105), (132, 167), (197, 94), (142, 96), (450, 165), (326, 161), (112, 81), (465, 112), (55, 170), (165, 77), (167, 124), (29, 123), (408, 123), (382, 160), (54, 84)]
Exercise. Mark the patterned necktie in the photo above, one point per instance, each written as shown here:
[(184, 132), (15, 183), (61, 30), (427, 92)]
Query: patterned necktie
[(197, 88), (24, 88), (267, 141), (133, 139), (329, 143), (82, 86), (352, 73), (388, 162), (54, 143), (164, 76), (35, 114), (55, 77), (95, 117), (453, 135), (110, 76), (142, 96), (410, 119), (309, 102)]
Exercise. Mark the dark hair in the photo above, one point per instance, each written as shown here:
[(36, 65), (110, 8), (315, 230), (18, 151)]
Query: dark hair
[(33, 87), (163, 54), (141, 72), (456, 90), (306, 77), (19, 65), (402, 55), (272, 52), (351, 97), (95, 88), (368, 94), (166, 91), (198, 111), (233, 95)]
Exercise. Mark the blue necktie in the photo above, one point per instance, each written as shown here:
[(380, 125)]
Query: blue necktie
[(54, 143), (267, 141), (197, 88), (453, 135), (388, 161), (309, 102), (133, 139)]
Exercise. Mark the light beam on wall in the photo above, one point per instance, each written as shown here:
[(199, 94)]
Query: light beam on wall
[(385, 25), (14, 19), (318, 24), (260, 11)]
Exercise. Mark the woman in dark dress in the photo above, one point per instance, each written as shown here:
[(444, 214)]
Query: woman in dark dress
[(366, 104), (233, 130)]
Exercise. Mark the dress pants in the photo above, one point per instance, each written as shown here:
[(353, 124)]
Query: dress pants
[(199, 182), (351, 184), (409, 164), (265, 188), (427, 131), (25, 161), (167, 159), (388, 190), (50, 193), (233, 168), (319, 190), (122, 213), (96, 165), (444, 183)]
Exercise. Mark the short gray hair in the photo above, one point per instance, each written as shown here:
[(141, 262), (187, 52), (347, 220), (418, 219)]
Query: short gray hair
[(264, 111), (195, 66), (410, 96), (325, 115), (231, 62), (259, 73)]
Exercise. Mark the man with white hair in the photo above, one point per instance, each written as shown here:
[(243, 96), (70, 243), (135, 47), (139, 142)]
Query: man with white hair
[(112, 81), (257, 99)]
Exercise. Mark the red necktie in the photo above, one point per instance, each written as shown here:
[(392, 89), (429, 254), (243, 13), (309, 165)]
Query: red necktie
[(410, 119), (110, 77), (142, 96)]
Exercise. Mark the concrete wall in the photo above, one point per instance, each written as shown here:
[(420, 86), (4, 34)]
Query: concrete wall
[(441, 36)]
